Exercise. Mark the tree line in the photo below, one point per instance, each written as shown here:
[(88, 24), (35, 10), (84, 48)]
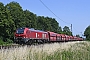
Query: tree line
[(87, 33), (12, 16)]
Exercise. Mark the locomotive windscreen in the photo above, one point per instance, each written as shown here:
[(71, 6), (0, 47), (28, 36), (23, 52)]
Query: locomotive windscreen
[(20, 31)]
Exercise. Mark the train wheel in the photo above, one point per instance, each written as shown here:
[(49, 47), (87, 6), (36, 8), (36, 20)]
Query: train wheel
[(30, 42)]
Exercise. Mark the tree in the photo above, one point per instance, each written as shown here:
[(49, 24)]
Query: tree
[(6, 23), (87, 33), (16, 12), (59, 29), (55, 25), (67, 31), (2, 9), (29, 19), (77, 35)]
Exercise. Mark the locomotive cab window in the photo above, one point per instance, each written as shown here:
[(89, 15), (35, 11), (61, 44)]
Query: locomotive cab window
[(20, 31)]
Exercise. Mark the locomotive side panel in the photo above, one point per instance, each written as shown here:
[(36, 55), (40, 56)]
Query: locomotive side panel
[(35, 34)]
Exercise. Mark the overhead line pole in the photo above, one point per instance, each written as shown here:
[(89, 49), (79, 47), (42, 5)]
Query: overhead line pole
[(71, 28)]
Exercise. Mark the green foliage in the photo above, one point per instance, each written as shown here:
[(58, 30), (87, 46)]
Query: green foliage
[(66, 31), (59, 30), (9, 41), (1, 42), (29, 19), (5, 43), (87, 33), (16, 12)]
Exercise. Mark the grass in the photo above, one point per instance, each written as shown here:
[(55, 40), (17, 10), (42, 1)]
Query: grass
[(55, 51)]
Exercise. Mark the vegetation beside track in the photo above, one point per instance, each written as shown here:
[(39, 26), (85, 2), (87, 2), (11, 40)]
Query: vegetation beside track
[(55, 51), (79, 51), (9, 42)]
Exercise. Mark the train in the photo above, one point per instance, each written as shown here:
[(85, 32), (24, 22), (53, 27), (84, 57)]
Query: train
[(30, 35)]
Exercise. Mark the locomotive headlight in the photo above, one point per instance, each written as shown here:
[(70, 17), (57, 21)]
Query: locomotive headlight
[(24, 37)]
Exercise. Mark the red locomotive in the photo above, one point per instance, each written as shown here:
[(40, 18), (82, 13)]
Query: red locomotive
[(29, 36)]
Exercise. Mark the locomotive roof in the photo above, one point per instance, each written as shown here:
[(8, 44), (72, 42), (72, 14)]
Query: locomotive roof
[(21, 28), (37, 30)]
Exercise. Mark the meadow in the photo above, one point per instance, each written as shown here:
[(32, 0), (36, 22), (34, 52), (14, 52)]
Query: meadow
[(77, 50)]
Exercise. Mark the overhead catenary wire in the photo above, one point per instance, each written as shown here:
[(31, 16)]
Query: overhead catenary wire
[(76, 30), (53, 12)]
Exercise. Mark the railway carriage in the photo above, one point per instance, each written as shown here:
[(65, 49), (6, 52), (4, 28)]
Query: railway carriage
[(63, 37), (52, 36), (67, 38), (59, 37)]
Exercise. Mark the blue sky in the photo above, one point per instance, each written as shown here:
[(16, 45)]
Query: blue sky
[(75, 12)]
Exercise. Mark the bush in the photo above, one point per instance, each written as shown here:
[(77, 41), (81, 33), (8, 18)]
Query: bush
[(9, 41), (1, 42)]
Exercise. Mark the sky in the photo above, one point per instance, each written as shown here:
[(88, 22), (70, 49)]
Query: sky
[(75, 12)]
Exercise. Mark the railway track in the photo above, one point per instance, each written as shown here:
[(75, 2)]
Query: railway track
[(15, 46), (10, 46), (18, 45)]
